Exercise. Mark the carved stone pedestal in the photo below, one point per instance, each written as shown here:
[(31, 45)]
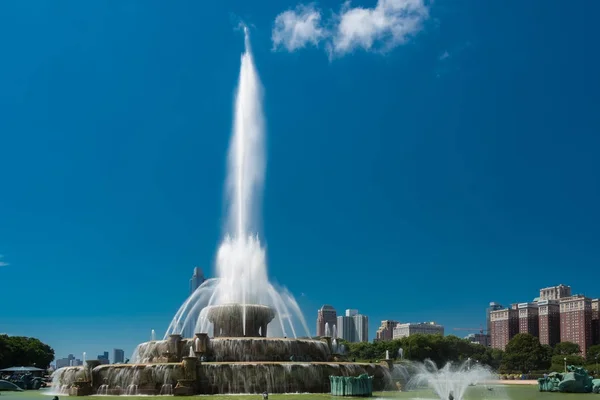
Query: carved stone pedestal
[(389, 362), (185, 387), (81, 388)]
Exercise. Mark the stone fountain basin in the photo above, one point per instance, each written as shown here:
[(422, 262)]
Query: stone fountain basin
[(238, 377), (243, 349), (230, 377)]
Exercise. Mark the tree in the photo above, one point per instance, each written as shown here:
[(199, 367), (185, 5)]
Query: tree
[(566, 349), (593, 352), (523, 353), (494, 357), (558, 361), (547, 353), (24, 351)]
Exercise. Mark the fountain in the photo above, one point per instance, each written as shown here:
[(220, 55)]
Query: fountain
[(451, 381), (248, 330)]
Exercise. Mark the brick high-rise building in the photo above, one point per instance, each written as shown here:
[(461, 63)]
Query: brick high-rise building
[(326, 316), (555, 292), (493, 307), (549, 321), (595, 322), (505, 325), (386, 330), (576, 321), (528, 318)]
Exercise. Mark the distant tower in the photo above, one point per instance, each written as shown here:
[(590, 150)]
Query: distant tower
[(353, 327), (197, 279), (493, 307), (325, 315), (118, 356)]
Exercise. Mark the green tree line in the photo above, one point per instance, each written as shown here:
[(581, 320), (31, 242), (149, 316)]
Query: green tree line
[(523, 354), (440, 349), (21, 351)]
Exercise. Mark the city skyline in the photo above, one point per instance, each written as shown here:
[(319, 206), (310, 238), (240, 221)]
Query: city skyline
[(452, 167), (548, 297)]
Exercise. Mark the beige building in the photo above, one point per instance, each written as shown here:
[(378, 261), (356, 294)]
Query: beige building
[(555, 292), (386, 330), (423, 328)]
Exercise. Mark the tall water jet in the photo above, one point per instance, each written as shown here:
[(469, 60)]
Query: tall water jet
[(246, 159), (241, 266)]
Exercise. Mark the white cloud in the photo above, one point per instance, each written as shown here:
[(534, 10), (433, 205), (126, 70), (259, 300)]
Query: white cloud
[(2, 263), (444, 55), (381, 28), (295, 29)]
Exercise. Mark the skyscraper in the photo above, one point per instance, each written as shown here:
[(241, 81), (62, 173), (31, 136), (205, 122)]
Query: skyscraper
[(361, 323), (549, 322), (345, 328), (326, 315), (595, 322), (505, 325), (103, 358), (493, 307), (528, 319), (197, 279), (353, 327), (118, 356), (576, 321)]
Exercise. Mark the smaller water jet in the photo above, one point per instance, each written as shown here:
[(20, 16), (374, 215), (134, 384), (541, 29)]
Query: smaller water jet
[(451, 381)]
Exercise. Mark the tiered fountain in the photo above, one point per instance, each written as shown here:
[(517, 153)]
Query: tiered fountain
[(240, 330)]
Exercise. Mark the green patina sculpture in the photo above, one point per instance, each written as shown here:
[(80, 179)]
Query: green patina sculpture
[(596, 385), (575, 380), (361, 385)]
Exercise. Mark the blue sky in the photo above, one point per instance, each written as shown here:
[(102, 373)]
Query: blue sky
[(420, 164)]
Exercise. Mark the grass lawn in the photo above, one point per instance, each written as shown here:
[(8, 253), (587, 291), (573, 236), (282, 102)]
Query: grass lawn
[(512, 392)]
